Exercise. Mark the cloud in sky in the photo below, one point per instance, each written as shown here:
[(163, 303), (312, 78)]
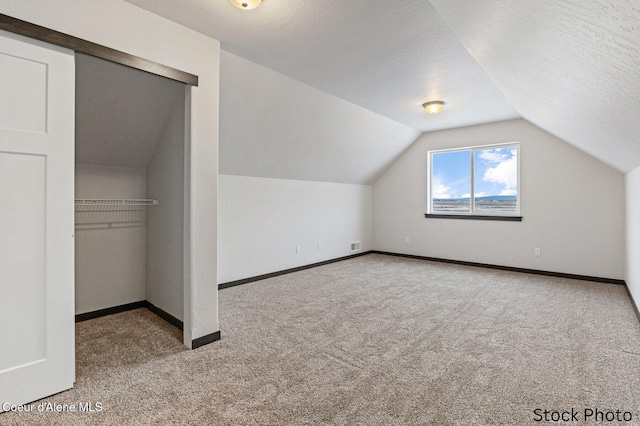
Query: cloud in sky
[(438, 189), (493, 155), (505, 172), (509, 191)]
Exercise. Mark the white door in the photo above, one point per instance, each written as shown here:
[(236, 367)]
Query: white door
[(37, 86)]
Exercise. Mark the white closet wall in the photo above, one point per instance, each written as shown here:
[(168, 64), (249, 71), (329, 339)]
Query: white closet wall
[(165, 222), (110, 243)]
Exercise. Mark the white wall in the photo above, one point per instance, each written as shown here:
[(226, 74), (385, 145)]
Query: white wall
[(632, 185), (165, 222), (293, 171), (125, 27), (262, 220), (110, 243), (572, 204)]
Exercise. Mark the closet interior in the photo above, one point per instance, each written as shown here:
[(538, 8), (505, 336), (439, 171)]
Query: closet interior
[(129, 189)]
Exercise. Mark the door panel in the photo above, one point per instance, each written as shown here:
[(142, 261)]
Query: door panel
[(28, 82), (37, 354), (23, 258)]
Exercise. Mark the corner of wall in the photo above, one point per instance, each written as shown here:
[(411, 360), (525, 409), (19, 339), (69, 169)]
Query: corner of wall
[(632, 234)]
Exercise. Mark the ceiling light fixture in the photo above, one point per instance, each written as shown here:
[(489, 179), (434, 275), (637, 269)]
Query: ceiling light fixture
[(433, 107), (246, 4)]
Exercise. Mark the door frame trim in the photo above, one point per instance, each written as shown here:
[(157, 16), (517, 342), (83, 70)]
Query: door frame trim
[(28, 29)]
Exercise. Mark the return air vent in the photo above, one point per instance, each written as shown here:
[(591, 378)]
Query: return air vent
[(355, 245)]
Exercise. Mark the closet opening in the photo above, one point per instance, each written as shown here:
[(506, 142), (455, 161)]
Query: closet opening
[(130, 190)]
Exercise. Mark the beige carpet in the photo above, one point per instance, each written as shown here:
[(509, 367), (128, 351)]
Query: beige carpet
[(375, 340)]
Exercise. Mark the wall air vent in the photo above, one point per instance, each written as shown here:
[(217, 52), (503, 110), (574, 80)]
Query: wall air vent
[(355, 245)]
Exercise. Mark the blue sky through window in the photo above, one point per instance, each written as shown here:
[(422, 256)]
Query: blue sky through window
[(496, 173), (451, 174)]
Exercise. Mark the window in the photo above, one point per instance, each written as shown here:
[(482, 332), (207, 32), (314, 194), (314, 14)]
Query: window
[(477, 182)]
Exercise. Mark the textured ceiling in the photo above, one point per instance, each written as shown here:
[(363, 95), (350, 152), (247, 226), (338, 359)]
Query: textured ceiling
[(386, 56), (572, 67), (120, 112)]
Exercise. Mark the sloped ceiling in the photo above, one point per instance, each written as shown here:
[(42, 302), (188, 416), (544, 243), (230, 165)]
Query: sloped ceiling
[(120, 112), (571, 67), (387, 57), (277, 127)]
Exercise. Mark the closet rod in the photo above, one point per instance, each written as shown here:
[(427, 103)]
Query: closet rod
[(116, 202)]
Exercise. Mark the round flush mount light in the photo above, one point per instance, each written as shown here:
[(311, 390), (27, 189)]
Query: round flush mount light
[(433, 107), (246, 4)]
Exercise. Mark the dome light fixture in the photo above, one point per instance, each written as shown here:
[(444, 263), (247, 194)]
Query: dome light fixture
[(433, 107), (246, 4)]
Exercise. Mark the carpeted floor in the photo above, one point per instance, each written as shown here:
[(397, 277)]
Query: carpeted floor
[(375, 340)]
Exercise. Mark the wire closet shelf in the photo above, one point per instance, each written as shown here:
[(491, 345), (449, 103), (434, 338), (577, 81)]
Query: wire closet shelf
[(114, 202)]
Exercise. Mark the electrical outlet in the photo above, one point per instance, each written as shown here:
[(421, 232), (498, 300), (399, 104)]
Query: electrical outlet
[(298, 249), (407, 240), (318, 246), (536, 251)]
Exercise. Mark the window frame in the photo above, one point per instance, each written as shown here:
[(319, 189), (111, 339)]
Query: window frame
[(473, 214)]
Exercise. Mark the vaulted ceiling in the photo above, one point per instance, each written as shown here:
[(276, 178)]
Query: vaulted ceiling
[(120, 112), (571, 67)]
